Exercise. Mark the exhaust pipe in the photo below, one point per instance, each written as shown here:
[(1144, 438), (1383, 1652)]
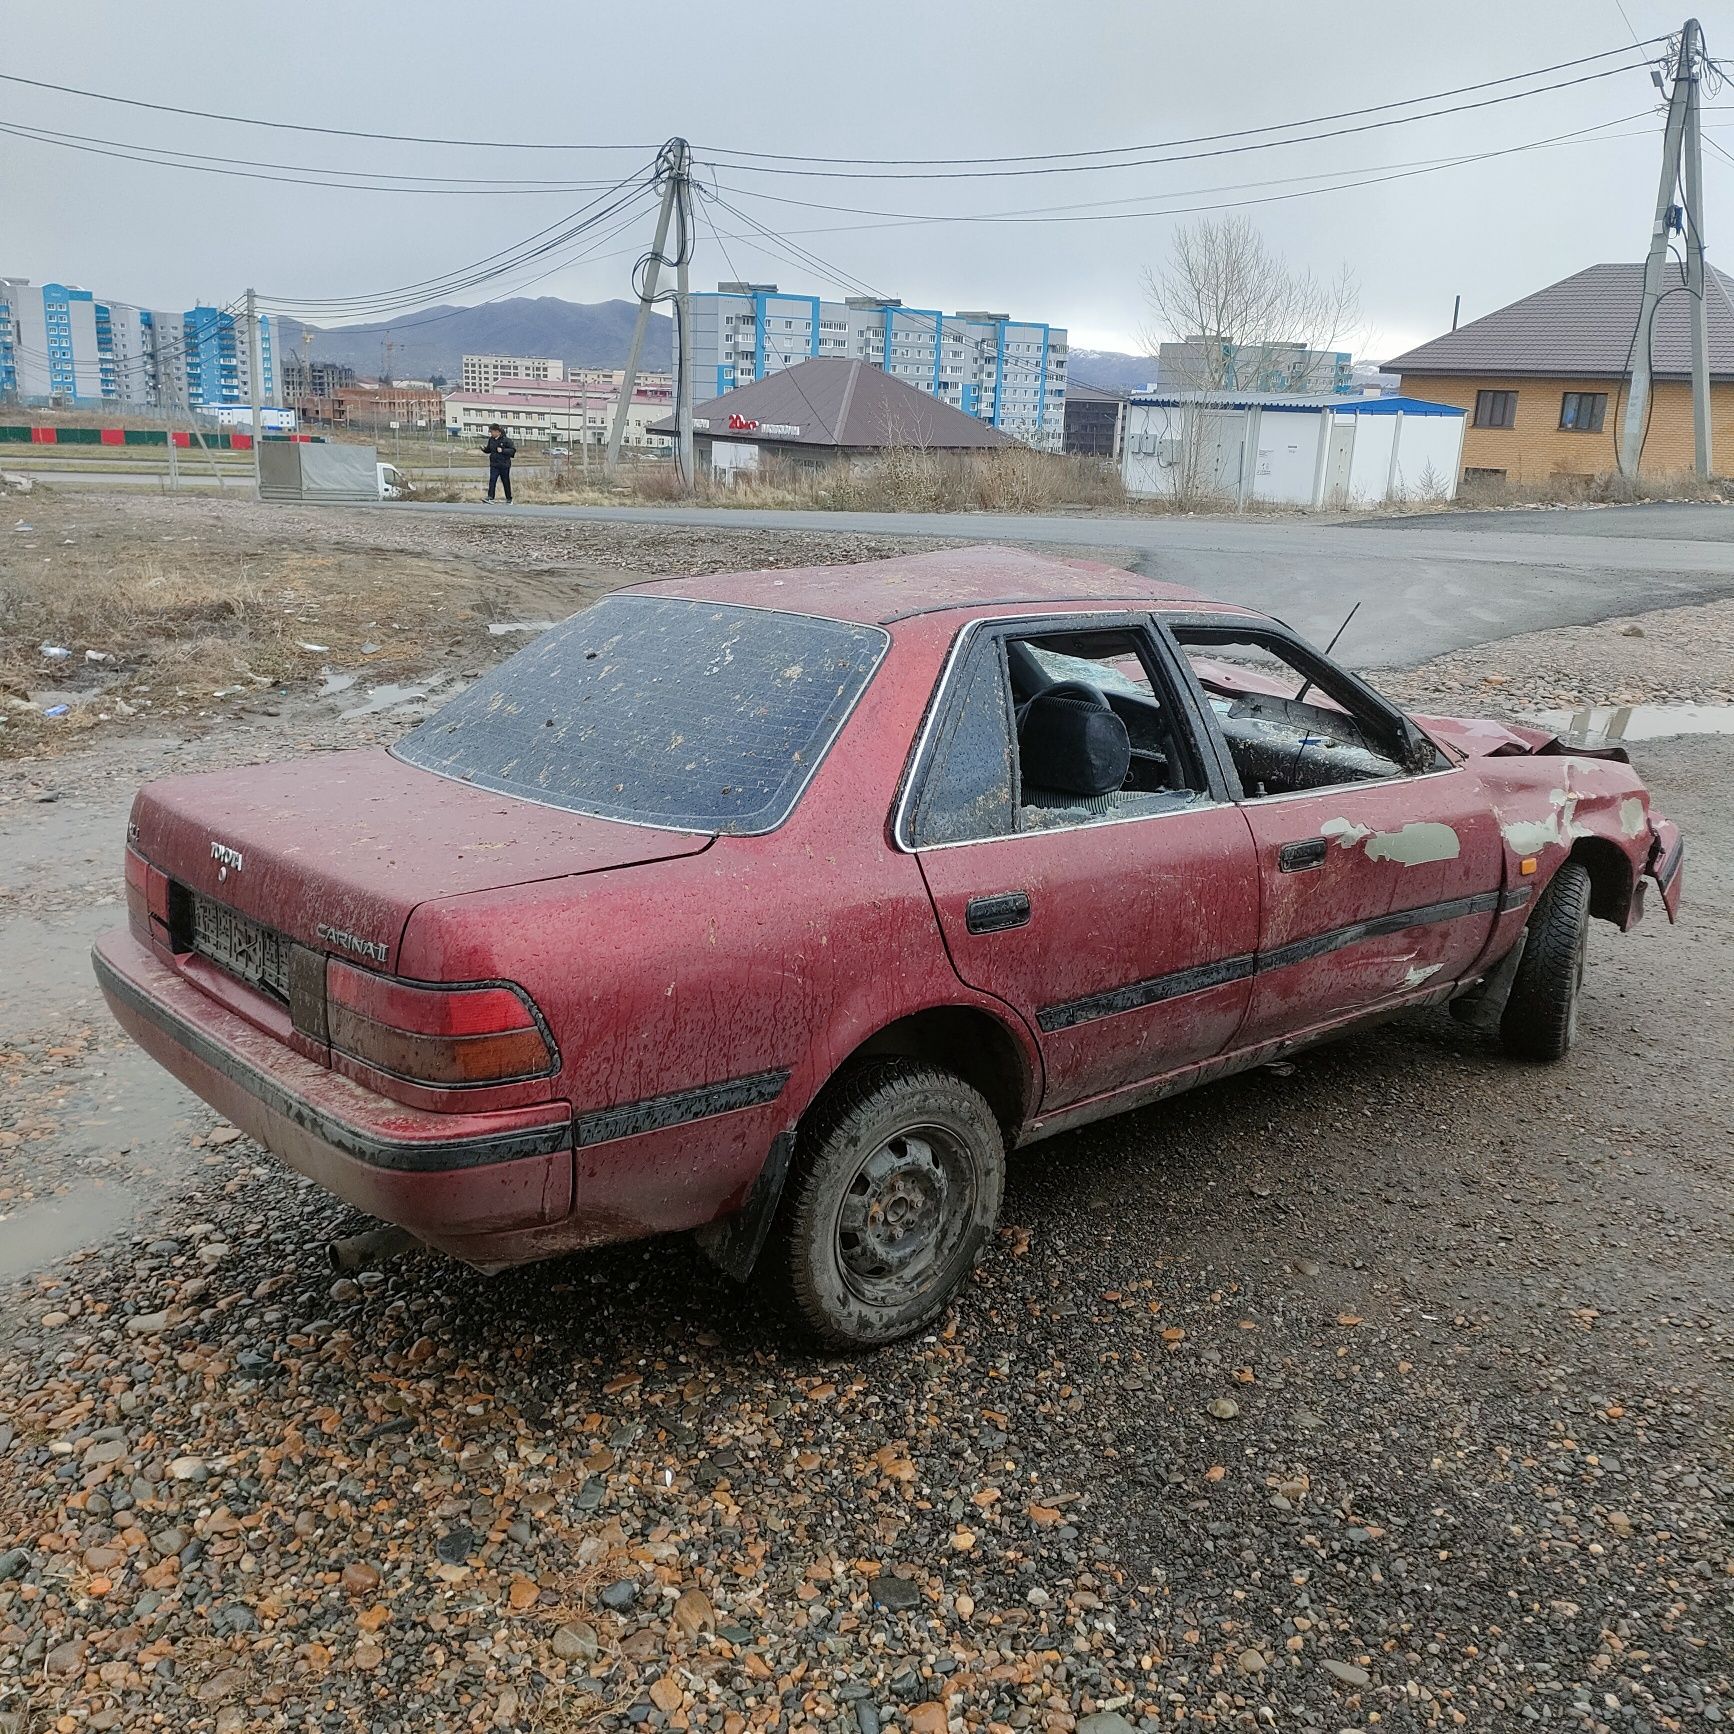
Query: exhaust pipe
[(362, 1251)]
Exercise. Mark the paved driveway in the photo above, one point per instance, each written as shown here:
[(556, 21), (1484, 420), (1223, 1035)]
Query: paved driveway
[(1426, 584)]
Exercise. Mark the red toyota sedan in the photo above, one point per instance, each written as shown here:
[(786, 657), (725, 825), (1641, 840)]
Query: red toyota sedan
[(777, 906)]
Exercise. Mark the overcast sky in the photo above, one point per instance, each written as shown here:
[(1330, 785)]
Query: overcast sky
[(896, 78)]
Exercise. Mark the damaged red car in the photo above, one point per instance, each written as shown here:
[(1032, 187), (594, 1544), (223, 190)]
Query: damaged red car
[(778, 906)]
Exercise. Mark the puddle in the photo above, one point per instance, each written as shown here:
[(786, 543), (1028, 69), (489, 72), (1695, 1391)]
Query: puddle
[(1607, 724), (501, 628), (335, 683), (35, 1237), (410, 697), (45, 965)]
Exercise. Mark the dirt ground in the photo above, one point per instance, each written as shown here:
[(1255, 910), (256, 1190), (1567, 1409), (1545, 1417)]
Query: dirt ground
[(1391, 1389), (202, 611)]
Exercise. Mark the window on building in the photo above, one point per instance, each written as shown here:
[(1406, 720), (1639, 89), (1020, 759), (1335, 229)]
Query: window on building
[(1496, 409), (1583, 411)]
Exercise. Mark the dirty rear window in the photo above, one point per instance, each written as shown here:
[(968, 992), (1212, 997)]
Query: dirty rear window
[(663, 711)]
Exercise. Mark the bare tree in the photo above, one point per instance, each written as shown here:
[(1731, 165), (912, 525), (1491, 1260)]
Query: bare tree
[(1244, 318)]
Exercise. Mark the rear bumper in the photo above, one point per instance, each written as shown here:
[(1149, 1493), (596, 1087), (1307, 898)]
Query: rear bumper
[(478, 1186)]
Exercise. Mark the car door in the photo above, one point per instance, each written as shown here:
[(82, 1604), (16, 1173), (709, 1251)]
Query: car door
[(1119, 926), (1379, 858)]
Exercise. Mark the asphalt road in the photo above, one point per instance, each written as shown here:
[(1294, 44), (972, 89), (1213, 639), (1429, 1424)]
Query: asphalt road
[(1427, 585)]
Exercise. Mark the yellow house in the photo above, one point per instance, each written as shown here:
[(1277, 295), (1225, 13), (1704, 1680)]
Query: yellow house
[(1543, 381)]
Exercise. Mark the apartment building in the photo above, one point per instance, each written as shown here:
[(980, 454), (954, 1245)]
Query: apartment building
[(49, 346), (484, 372), (1009, 373), (216, 352), (1215, 364), (63, 345), (305, 378)]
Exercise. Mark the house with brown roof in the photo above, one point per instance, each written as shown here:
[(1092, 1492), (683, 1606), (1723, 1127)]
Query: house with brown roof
[(825, 411), (1543, 381)]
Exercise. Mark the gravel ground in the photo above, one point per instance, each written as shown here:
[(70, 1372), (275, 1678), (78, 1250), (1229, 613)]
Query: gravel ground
[(510, 543), (1668, 656), (1387, 1389)]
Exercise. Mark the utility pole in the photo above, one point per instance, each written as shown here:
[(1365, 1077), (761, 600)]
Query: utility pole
[(674, 169), (255, 387), (1697, 307), (1681, 163), (683, 339)]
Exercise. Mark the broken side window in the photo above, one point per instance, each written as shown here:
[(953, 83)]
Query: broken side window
[(1098, 736), (1291, 720)]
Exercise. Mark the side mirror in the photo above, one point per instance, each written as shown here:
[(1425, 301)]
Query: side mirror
[(1419, 753)]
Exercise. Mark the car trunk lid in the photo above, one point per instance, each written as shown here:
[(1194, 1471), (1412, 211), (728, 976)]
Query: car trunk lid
[(336, 851)]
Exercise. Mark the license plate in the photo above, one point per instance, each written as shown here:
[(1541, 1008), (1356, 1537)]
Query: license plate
[(251, 953)]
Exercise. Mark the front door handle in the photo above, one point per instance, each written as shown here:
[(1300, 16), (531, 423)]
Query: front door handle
[(995, 914), (1298, 857)]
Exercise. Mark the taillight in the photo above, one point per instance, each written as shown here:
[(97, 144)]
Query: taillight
[(435, 1035), (147, 897)]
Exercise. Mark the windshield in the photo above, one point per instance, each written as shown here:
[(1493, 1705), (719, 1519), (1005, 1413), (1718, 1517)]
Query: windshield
[(700, 716)]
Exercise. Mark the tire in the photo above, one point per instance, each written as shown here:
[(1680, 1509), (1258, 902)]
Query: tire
[(1540, 1017), (896, 1183)]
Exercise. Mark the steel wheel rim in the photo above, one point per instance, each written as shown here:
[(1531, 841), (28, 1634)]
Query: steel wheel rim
[(904, 1214)]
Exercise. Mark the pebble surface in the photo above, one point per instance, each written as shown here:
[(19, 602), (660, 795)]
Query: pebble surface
[(1389, 1388)]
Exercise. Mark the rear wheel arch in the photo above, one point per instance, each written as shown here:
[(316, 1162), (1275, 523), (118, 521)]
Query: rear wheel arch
[(968, 1041)]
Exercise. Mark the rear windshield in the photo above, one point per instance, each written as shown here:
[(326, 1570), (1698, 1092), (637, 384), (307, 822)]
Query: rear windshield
[(695, 715)]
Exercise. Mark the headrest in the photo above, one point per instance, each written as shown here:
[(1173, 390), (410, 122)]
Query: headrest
[(1073, 747)]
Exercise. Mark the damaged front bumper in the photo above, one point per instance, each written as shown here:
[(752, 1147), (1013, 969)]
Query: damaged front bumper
[(1666, 863)]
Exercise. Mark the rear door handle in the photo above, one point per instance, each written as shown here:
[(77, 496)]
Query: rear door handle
[(995, 914), (1297, 857)]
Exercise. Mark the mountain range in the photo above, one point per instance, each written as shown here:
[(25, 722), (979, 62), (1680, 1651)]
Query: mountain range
[(433, 341), (1110, 369)]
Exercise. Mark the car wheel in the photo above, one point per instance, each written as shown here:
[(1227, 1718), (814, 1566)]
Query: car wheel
[(896, 1183), (1540, 1017)]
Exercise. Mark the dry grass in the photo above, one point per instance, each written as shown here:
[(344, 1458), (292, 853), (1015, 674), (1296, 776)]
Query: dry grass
[(1610, 488), (902, 479), (199, 629)]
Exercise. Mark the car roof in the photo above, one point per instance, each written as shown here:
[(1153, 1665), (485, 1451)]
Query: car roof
[(983, 579)]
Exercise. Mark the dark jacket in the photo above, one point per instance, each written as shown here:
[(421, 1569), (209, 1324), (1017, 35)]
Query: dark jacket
[(500, 450)]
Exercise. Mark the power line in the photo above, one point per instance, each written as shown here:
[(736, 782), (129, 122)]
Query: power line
[(558, 264), (567, 145), (493, 264), (437, 183), (1092, 209), (68, 141), (1073, 168), (1200, 138), (1434, 167), (326, 131)]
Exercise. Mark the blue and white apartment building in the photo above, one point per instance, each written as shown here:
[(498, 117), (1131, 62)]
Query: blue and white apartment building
[(63, 346), (1009, 372)]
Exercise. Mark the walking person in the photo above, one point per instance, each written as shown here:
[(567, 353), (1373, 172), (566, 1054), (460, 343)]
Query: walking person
[(500, 451)]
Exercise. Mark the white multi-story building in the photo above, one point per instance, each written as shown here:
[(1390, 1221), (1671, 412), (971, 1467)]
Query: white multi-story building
[(484, 372), (1010, 373), (555, 413)]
